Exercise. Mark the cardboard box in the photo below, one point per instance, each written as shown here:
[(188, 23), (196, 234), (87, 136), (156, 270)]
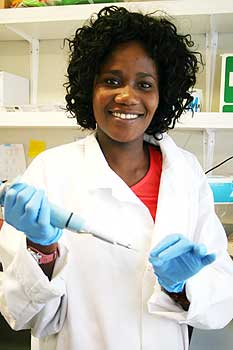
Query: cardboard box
[(226, 89), (14, 90), (5, 4)]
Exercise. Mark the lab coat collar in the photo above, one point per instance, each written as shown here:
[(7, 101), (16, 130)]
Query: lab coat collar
[(101, 176), (96, 160), (171, 153)]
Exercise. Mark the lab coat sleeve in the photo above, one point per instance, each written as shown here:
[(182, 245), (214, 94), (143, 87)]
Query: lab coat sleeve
[(28, 300), (210, 291)]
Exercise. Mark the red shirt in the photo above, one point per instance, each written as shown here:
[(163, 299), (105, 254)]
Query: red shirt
[(147, 189)]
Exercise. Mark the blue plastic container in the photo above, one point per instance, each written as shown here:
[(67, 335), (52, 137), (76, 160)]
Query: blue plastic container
[(222, 189)]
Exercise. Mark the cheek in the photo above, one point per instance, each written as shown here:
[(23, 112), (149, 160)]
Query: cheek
[(100, 98), (152, 103), (96, 101), (99, 103)]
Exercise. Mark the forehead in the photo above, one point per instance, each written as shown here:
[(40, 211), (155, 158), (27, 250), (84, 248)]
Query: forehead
[(130, 55)]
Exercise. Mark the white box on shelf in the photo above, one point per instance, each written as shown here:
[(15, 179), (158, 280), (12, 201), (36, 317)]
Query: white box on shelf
[(14, 90)]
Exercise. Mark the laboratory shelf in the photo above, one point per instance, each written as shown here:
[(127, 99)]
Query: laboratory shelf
[(206, 120), (198, 121), (37, 120), (58, 22)]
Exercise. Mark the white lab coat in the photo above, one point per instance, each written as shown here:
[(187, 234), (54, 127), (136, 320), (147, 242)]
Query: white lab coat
[(105, 297)]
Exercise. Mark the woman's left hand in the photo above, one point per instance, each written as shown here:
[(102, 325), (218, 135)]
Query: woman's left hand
[(175, 259)]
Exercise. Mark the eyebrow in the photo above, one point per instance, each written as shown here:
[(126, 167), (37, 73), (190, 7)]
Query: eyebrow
[(139, 74), (145, 75)]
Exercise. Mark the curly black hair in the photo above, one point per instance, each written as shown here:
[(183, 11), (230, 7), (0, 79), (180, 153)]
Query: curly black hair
[(177, 64)]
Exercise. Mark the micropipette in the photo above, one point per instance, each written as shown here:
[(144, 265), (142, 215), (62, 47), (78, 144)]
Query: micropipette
[(65, 219)]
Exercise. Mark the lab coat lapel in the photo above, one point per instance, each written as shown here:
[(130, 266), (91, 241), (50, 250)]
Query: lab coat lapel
[(95, 164), (174, 194), (101, 177)]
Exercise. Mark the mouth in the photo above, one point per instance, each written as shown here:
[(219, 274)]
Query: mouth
[(126, 116)]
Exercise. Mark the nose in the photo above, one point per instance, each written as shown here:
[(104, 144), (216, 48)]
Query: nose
[(126, 95)]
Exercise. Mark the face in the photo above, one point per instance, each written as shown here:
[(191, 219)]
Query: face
[(125, 94)]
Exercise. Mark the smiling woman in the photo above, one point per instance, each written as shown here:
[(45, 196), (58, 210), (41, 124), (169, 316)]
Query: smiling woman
[(170, 52), (126, 93), (129, 78)]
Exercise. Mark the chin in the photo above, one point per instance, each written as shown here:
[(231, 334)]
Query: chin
[(125, 139)]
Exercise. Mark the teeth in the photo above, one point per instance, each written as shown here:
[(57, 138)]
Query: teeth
[(125, 116)]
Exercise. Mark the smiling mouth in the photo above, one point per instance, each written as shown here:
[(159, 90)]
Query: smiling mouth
[(128, 116)]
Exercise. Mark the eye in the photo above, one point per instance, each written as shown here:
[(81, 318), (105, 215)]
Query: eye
[(112, 81), (145, 85)]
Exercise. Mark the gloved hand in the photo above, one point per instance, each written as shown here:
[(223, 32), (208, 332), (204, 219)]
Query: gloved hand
[(27, 209), (175, 259)]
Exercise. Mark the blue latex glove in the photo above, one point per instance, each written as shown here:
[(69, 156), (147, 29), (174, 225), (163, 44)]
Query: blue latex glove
[(28, 210), (175, 259)]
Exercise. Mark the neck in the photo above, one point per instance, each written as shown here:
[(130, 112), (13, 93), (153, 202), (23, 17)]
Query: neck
[(128, 160)]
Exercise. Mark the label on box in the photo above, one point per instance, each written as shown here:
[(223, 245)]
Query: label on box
[(231, 79)]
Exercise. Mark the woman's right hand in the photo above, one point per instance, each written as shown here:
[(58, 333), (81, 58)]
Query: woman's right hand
[(27, 209)]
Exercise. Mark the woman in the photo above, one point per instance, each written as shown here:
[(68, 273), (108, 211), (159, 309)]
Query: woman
[(128, 79)]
